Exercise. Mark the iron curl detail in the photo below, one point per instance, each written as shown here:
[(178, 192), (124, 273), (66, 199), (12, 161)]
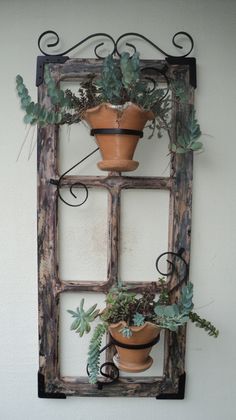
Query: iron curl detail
[(78, 184), (172, 264), (113, 374), (45, 35), (115, 44), (151, 79), (144, 38)]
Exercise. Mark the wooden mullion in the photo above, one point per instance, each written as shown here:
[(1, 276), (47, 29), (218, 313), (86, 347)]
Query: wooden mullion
[(83, 285), (121, 182), (113, 236)]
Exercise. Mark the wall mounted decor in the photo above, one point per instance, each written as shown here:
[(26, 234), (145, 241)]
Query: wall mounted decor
[(160, 92)]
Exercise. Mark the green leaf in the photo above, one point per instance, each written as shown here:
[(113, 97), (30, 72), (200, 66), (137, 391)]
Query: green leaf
[(19, 79), (28, 119), (197, 146)]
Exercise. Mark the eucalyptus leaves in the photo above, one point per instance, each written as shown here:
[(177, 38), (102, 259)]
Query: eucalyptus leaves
[(121, 81)]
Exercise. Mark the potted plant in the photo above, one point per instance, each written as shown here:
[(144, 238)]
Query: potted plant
[(116, 105), (135, 319)]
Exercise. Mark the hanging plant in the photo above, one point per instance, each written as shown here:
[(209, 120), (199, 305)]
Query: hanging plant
[(119, 93)]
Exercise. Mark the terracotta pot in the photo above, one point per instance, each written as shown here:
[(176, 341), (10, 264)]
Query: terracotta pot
[(131, 360), (117, 149)]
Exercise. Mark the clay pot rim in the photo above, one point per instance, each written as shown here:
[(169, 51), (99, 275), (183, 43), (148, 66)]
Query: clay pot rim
[(119, 108), (133, 327)]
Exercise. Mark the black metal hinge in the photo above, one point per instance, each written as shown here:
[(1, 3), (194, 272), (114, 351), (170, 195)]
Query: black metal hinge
[(44, 59), (41, 389)]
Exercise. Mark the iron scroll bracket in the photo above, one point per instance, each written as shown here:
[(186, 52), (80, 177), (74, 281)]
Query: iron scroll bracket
[(114, 374)]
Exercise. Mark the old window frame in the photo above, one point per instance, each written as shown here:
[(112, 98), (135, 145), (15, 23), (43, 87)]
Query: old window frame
[(179, 185)]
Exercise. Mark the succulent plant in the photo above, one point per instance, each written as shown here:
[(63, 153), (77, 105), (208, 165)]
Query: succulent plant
[(121, 81), (177, 314), (135, 309), (83, 318)]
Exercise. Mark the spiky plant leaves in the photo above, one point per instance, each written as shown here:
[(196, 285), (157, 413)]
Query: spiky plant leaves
[(83, 318)]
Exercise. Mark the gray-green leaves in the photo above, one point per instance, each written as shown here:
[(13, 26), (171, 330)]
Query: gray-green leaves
[(83, 318), (187, 137), (40, 114), (94, 352), (175, 315), (130, 69), (138, 319)]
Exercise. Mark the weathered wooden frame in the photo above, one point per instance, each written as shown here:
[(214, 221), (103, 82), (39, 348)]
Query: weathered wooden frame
[(179, 185)]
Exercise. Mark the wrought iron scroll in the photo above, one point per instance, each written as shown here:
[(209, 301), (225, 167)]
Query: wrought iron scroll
[(113, 374), (78, 184), (115, 44), (173, 267)]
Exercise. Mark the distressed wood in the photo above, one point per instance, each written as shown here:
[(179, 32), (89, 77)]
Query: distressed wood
[(179, 234), (50, 286), (118, 182)]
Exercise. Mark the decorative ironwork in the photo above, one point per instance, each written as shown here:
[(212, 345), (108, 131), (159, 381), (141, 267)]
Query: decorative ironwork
[(163, 73), (76, 184), (144, 38), (173, 268), (56, 42), (115, 44), (113, 374)]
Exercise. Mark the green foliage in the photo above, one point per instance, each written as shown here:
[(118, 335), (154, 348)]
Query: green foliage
[(126, 332), (138, 319), (164, 295), (203, 323), (187, 137), (83, 318), (94, 352), (179, 89), (123, 305), (135, 309), (121, 81), (177, 314)]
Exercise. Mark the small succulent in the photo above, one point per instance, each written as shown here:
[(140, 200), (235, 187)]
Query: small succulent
[(83, 318), (138, 319), (135, 310)]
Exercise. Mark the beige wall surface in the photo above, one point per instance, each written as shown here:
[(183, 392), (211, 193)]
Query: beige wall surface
[(210, 363)]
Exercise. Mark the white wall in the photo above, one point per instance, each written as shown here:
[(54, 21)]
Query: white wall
[(210, 364)]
